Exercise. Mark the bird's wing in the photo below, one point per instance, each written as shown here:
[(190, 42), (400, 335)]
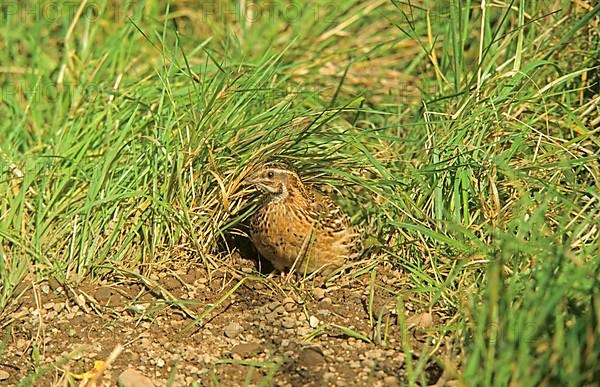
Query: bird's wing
[(330, 216)]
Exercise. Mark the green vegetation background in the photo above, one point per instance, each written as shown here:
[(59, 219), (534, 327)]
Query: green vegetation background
[(465, 140)]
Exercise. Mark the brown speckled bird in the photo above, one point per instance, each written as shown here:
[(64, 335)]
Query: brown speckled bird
[(298, 228)]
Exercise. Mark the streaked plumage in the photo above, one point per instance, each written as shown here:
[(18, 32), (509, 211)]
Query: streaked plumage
[(297, 226)]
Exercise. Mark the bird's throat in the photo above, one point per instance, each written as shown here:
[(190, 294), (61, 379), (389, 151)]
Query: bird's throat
[(282, 194)]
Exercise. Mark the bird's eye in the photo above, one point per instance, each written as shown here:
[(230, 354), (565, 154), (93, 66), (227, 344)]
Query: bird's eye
[(270, 174)]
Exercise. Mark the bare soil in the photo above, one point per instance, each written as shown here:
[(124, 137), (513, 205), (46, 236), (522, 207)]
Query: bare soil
[(345, 332)]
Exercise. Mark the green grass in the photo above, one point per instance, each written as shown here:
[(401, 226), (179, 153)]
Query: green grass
[(466, 142)]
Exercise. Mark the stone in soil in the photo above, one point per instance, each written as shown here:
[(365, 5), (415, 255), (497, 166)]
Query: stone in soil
[(133, 378), (246, 350), (233, 330), (311, 357)]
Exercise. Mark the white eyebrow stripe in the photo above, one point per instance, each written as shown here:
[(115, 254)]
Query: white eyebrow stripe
[(283, 171)]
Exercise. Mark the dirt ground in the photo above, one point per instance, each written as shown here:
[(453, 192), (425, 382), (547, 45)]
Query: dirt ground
[(184, 328)]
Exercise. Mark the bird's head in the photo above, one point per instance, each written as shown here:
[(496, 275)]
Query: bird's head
[(274, 178)]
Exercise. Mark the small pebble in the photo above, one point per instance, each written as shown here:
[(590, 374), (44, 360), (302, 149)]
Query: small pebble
[(325, 303), (233, 330), (318, 294), (311, 357), (59, 307), (133, 378), (246, 350), (368, 363), (288, 323)]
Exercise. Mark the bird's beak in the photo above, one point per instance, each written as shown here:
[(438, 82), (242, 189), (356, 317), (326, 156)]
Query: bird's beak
[(249, 178)]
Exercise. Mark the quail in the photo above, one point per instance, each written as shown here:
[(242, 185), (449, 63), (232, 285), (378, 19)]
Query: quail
[(296, 227)]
